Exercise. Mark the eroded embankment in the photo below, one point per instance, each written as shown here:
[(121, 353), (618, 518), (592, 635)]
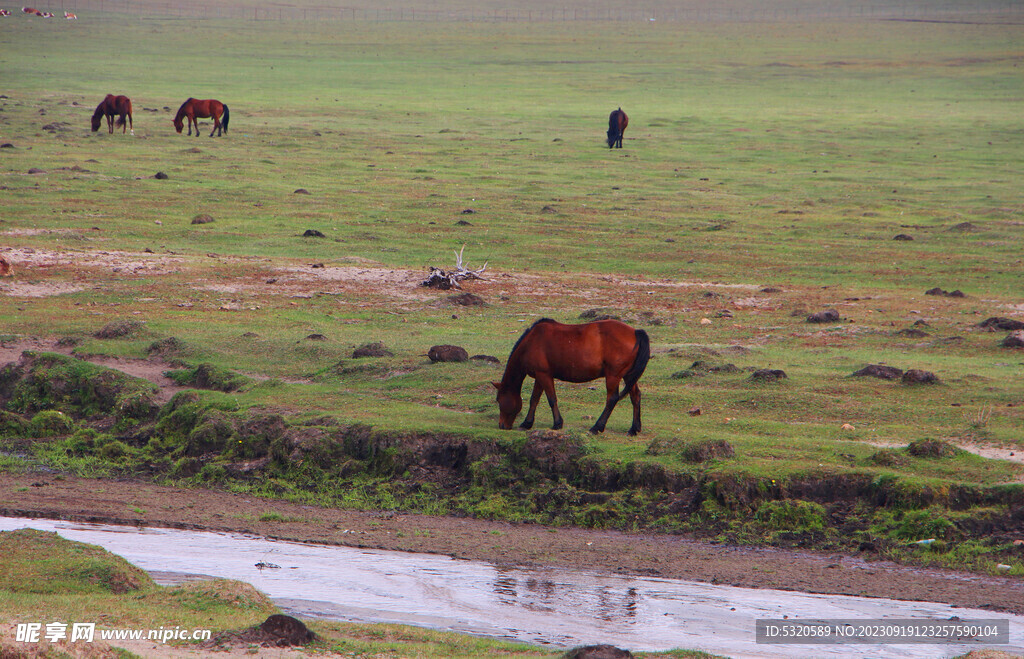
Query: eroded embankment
[(76, 416)]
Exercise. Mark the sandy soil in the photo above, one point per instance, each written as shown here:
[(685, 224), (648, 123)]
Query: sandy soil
[(117, 501)]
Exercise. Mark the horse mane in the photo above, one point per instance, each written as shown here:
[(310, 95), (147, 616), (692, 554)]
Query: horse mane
[(511, 372), (527, 331), (181, 110)]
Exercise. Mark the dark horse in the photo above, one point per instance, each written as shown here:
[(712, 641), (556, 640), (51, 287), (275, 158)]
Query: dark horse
[(110, 106), (617, 122), (550, 351), (193, 108)]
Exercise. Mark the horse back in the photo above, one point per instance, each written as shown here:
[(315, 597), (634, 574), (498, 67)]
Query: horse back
[(617, 120), (580, 353)]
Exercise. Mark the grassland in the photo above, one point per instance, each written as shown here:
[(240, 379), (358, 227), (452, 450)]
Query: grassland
[(768, 168)]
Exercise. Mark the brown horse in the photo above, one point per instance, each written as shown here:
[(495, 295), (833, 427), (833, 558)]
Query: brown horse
[(617, 122), (549, 351), (193, 108), (110, 106)]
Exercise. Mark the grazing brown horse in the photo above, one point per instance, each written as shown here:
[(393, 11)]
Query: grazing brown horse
[(549, 351), (617, 122), (193, 108), (110, 106)]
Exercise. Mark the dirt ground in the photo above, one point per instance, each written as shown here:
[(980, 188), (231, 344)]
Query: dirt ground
[(119, 502)]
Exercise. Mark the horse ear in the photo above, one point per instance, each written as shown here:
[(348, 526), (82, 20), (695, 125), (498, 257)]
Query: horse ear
[(497, 385)]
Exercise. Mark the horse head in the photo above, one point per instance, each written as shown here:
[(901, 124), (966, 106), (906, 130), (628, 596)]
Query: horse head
[(510, 403), (97, 119), (178, 124)]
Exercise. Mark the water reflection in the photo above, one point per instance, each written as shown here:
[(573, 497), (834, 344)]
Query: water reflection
[(545, 606)]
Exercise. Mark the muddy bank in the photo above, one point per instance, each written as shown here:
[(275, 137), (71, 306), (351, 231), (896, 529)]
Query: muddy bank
[(140, 503)]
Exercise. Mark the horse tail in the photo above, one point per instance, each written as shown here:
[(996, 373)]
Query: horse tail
[(643, 355), (119, 121), (227, 116)]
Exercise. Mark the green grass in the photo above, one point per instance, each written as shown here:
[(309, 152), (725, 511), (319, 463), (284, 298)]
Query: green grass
[(759, 154)]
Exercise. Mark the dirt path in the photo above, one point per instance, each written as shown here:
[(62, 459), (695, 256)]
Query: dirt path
[(139, 503)]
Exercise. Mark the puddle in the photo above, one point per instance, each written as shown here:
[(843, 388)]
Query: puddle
[(556, 607)]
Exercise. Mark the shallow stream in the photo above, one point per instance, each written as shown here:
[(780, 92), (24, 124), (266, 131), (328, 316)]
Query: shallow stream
[(558, 607)]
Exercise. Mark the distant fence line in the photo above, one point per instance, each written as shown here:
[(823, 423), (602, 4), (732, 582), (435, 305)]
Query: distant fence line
[(186, 9)]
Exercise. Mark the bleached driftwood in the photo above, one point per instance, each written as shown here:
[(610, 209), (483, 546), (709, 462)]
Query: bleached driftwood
[(445, 280)]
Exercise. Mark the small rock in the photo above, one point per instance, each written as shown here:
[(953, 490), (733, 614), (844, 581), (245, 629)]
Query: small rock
[(316, 337), (160, 175), (301, 191), (5, 267), (917, 376), (938, 291), (768, 375), (36, 170), (447, 353), (286, 631), (880, 371), (463, 223), (902, 236), (489, 359), (202, 219), (999, 323), (826, 316), (313, 233), (376, 349), (598, 652), (694, 411), (847, 426), (1014, 340)]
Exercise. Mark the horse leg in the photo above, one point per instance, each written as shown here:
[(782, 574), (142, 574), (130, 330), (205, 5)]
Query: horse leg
[(534, 399), (547, 383), (634, 397), (611, 384), (131, 127), (110, 124), (216, 126)]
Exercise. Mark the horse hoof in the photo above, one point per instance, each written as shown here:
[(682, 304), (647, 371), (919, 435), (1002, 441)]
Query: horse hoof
[(526, 426), (596, 431)]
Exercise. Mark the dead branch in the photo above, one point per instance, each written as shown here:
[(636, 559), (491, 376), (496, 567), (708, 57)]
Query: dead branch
[(445, 280)]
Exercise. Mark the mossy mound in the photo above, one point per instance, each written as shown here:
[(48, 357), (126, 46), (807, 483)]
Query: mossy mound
[(42, 562)]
